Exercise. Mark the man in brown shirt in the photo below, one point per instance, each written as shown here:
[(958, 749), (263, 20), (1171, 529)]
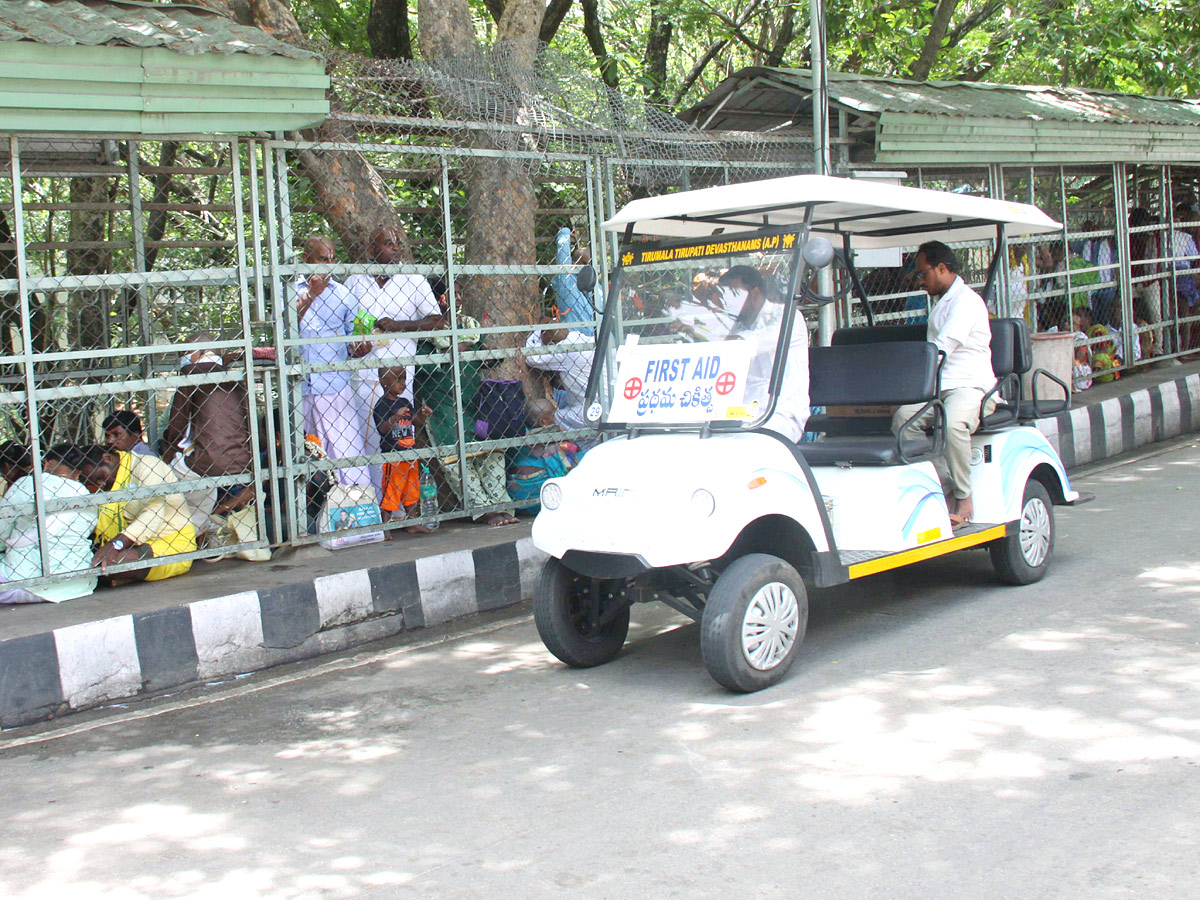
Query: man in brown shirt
[(217, 415)]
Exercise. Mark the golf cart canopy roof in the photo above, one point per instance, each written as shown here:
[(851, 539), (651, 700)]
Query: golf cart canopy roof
[(875, 215)]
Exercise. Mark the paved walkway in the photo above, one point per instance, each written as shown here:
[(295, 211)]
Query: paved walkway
[(232, 617)]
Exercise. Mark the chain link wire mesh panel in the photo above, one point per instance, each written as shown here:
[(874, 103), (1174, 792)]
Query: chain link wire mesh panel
[(159, 281), (113, 276), (495, 177)]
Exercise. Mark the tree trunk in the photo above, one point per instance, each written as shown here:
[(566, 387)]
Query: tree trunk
[(933, 40), (658, 46), (501, 200), (89, 307), (783, 39), (595, 38), (387, 30), (352, 196)]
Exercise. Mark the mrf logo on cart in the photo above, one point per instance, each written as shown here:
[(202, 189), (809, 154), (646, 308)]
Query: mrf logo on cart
[(681, 382)]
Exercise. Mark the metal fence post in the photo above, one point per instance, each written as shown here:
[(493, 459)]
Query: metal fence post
[(455, 357), (1124, 267), (35, 436), (143, 303), (1004, 301), (239, 220), (280, 306)]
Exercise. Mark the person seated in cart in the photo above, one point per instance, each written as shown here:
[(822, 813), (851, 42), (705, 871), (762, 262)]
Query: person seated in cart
[(958, 324), (745, 291)]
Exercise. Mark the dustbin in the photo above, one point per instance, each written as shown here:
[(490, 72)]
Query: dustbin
[(1055, 352)]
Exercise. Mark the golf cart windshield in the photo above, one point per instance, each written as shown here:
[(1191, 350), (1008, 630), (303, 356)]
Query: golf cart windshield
[(702, 311), (694, 330)]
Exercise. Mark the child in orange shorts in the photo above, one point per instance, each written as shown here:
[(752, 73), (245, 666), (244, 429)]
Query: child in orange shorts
[(397, 423)]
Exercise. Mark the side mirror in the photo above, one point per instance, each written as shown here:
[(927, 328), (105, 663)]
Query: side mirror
[(818, 252), (586, 279)]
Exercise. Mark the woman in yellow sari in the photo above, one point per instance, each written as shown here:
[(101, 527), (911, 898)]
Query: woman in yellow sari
[(140, 528)]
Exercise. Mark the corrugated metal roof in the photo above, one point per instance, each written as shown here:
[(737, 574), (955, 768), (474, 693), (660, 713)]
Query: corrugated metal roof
[(875, 96), (913, 123), (191, 30)]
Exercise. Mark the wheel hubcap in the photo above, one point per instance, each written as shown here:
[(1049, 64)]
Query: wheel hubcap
[(1035, 532), (770, 625)]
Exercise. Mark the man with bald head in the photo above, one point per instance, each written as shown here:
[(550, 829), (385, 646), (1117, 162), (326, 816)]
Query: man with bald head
[(400, 304), (332, 411)]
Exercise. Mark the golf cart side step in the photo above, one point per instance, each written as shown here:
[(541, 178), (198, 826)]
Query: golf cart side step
[(861, 563)]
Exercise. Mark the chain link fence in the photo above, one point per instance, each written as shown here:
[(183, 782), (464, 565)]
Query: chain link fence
[(215, 346), (1121, 276)]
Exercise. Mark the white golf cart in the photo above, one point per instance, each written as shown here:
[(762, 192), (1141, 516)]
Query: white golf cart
[(695, 502)]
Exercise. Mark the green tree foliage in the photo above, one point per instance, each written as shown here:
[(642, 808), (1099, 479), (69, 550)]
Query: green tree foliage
[(675, 51)]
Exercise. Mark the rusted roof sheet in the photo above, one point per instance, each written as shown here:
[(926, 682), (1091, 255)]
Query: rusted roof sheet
[(190, 30)]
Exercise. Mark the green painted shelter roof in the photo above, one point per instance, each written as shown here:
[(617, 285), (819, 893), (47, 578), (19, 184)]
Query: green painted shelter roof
[(874, 96), (191, 30), (916, 122)]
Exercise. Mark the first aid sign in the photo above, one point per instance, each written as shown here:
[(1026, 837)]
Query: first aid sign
[(680, 382)]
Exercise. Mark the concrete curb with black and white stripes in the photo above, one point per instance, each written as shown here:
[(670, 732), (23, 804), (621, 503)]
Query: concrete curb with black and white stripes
[(85, 665), (1122, 424), (89, 664)]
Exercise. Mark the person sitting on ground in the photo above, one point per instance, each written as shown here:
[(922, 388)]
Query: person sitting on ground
[(123, 431), (68, 532), (558, 350), (537, 462), (213, 421), (958, 324), (485, 470), (15, 462), (397, 422), (143, 528), (746, 291)]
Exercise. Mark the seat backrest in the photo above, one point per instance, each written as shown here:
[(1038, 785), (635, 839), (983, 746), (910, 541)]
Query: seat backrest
[(890, 373), (1012, 349), (879, 334), (1004, 341)]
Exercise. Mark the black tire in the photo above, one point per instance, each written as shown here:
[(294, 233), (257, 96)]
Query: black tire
[(561, 604), (1024, 557), (724, 621)]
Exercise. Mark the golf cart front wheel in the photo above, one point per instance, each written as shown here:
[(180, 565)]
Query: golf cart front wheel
[(1024, 557), (583, 621), (754, 622)]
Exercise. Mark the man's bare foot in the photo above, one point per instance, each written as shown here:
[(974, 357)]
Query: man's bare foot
[(499, 518), (419, 529), (962, 511)]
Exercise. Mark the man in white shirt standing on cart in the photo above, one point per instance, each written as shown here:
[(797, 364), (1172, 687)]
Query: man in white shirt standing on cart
[(958, 324)]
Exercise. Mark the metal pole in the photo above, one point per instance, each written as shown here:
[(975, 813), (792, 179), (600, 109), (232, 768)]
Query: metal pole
[(455, 355), (827, 314), (239, 219), (145, 334), (1003, 275), (35, 436), (1121, 237), (292, 444)]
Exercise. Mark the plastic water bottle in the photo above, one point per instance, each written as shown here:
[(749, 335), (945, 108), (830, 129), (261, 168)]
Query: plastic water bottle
[(429, 497)]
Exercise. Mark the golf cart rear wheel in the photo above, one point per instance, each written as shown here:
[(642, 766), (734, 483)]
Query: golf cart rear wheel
[(1024, 557), (754, 623), (583, 621)]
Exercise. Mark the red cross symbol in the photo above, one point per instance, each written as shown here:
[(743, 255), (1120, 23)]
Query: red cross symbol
[(725, 382), (633, 387)]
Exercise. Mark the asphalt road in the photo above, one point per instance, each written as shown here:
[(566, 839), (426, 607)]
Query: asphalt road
[(942, 737)]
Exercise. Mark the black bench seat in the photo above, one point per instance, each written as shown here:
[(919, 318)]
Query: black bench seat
[(883, 374)]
